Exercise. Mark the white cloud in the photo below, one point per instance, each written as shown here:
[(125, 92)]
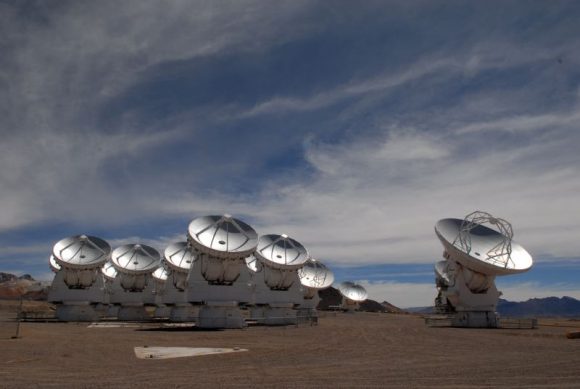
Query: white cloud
[(375, 194), (528, 122), (67, 64)]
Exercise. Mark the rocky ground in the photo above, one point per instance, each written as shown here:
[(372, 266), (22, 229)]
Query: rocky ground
[(344, 350)]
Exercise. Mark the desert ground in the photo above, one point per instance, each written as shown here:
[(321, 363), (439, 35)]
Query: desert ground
[(343, 350)]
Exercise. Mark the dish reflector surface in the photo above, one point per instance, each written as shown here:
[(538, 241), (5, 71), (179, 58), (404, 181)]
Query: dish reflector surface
[(352, 291), (222, 236), (54, 266), (482, 255), (315, 275), (179, 256), (160, 274), (253, 264), (109, 271), (135, 259), (81, 252), (281, 251)]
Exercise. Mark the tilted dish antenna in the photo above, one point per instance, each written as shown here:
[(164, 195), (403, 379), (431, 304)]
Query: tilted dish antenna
[(54, 266), (160, 274), (352, 292), (477, 249), (222, 243), (179, 257), (314, 274), (483, 249), (80, 256), (135, 263), (253, 264), (281, 256), (109, 271)]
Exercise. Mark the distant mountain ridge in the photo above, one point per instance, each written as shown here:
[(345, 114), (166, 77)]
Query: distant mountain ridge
[(535, 307), (547, 306)]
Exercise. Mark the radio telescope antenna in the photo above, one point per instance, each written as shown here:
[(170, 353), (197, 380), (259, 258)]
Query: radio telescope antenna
[(477, 249), (253, 264), (160, 277), (179, 257), (134, 259), (314, 276), (352, 295), (222, 236), (135, 264), (81, 252), (54, 266), (77, 287), (280, 258), (160, 274), (109, 271), (219, 278), (501, 252)]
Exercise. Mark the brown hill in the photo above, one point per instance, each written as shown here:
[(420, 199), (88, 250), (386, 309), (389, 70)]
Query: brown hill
[(13, 287), (331, 298)]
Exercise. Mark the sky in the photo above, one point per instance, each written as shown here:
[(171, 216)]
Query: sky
[(353, 127)]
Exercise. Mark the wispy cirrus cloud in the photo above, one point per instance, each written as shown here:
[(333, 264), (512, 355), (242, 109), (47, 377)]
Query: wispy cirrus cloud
[(353, 130)]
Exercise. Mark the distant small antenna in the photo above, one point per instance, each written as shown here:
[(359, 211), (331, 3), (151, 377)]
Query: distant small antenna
[(352, 291)]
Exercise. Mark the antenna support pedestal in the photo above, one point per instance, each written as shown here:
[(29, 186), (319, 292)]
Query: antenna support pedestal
[(220, 314)]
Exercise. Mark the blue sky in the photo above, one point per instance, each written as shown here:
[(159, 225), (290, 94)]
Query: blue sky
[(351, 127)]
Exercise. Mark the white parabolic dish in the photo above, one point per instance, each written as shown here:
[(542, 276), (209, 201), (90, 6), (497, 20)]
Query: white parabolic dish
[(54, 266), (253, 264), (135, 259), (160, 274), (483, 239), (315, 275), (179, 256), (281, 252), (352, 291), (109, 271), (81, 252), (222, 236)]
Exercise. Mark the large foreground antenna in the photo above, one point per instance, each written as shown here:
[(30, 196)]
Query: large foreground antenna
[(477, 249), (78, 287), (218, 278)]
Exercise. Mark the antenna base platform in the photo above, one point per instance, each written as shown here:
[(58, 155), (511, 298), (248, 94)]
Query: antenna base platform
[(465, 319)]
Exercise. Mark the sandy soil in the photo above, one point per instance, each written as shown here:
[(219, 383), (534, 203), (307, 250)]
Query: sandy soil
[(344, 350)]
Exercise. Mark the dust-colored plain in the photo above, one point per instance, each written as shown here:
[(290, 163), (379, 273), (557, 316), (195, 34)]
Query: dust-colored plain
[(343, 350)]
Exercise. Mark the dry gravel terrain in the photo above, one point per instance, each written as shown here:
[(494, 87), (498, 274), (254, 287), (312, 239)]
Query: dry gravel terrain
[(344, 350)]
